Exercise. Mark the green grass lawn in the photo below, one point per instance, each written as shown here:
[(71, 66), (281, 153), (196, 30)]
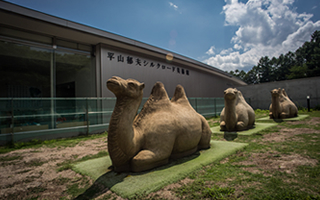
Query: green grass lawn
[(285, 168)]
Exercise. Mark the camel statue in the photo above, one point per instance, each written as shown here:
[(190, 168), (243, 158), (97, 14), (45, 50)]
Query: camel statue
[(237, 115), (281, 106), (163, 129)]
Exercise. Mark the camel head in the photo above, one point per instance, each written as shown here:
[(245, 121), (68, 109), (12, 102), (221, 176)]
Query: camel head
[(125, 88), (230, 94), (276, 93)]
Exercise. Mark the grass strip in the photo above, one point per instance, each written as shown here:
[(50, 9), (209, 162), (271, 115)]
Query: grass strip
[(267, 119), (258, 127), (128, 185)]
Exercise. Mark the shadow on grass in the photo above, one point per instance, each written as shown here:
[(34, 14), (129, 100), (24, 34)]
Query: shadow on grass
[(230, 136), (277, 120), (111, 178)]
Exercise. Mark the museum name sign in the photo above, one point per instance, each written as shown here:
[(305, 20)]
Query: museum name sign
[(140, 62)]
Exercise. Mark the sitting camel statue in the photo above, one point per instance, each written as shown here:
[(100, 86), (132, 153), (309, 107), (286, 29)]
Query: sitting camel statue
[(237, 115), (281, 106), (163, 129)]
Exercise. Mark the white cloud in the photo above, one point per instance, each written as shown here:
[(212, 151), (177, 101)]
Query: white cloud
[(237, 47), (226, 51), (266, 28), (175, 7), (211, 51)]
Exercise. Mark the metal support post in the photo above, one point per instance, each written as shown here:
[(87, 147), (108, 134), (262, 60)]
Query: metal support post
[(87, 114), (215, 107), (308, 103), (196, 104), (12, 122)]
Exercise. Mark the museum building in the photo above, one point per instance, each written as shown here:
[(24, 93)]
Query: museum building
[(47, 56), (54, 74)]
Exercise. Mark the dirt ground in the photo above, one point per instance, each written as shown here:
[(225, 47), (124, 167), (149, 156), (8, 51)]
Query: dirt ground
[(35, 173), (32, 173)]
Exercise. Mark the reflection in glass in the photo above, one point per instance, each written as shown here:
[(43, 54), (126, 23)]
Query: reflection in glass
[(34, 72), (74, 78), (74, 75), (25, 71)]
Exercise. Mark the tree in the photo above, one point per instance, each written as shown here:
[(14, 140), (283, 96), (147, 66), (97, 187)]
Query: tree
[(265, 71), (304, 62), (240, 74), (252, 76), (298, 72), (312, 51)]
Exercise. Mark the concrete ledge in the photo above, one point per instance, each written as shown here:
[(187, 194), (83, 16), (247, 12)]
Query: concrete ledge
[(267, 119), (258, 127), (130, 184)]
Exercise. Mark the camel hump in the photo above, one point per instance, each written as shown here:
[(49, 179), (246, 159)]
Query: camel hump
[(159, 92), (284, 93), (240, 97), (179, 94)]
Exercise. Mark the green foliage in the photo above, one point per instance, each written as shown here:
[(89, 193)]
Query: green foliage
[(304, 62), (297, 72), (317, 107), (259, 111)]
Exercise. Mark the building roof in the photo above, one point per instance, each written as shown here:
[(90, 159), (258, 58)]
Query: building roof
[(16, 16)]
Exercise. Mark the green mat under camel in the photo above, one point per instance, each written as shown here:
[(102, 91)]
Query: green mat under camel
[(267, 119), (258, 127), (128, 185)]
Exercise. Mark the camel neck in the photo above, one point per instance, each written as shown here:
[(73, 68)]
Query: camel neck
[(126, 109), (121, 132), (230, 114), (275, 105)]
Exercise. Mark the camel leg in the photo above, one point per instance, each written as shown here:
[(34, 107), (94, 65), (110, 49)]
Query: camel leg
[(271, 115), (240, 126), (223, 126), (147, 159), (283, 115), (204, 142)]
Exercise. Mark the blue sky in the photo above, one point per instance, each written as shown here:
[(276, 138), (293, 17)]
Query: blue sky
[(226, 34)]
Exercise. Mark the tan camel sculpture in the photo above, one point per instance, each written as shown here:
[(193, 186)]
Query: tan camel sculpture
[(163, 129), (281, 106), (237, 115)]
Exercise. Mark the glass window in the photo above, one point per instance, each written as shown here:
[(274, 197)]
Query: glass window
[(33, 70), (25, 70), (75, 75)]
